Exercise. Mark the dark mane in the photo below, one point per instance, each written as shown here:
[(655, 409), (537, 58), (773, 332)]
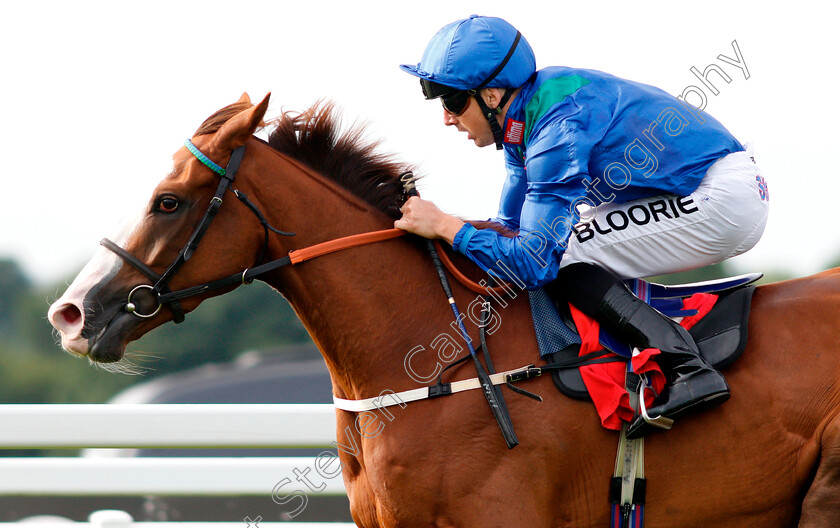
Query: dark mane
[(313, 137)]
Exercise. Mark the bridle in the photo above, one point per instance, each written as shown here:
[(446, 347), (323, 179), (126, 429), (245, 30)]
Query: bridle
[(160, 282), (160, 287)]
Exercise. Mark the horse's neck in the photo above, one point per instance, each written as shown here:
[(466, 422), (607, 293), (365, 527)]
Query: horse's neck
[(366, 312), (366, 308)]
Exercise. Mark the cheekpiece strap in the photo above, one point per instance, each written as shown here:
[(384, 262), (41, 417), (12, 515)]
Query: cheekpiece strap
[(204, 159)]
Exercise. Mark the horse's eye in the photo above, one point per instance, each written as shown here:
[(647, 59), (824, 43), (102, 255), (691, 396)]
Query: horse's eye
[(167, 204)]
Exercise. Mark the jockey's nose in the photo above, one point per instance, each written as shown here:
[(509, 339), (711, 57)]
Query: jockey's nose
[(448, 118)]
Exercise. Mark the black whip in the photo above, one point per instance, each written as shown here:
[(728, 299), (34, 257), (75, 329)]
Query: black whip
[(491, 392)]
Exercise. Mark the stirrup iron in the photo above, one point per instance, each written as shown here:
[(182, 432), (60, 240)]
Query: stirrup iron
[(663, 422)]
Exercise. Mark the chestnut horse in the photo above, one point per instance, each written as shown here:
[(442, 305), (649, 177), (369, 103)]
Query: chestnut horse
[(770, 457)]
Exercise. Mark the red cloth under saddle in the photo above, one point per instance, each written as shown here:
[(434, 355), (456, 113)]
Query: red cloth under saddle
[(605, 381)]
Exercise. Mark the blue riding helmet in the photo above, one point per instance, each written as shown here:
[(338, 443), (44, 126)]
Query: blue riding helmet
[(463, 54), (471, 54)]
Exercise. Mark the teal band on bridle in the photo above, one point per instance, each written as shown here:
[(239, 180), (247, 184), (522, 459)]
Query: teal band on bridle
[(203, 159)]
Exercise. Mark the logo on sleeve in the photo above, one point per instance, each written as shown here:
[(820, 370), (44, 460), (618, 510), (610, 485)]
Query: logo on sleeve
[(514, 131)]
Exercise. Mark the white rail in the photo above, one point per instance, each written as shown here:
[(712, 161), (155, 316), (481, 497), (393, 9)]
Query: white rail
[(165, 524), (166, 476), (121, 519), (166, 425), (74, 426)]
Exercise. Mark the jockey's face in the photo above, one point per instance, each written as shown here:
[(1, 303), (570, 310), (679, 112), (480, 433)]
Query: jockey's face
[(472, 121)]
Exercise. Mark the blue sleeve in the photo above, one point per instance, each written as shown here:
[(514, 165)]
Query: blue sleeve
[(513, 191), (557, 177), (463, 237)]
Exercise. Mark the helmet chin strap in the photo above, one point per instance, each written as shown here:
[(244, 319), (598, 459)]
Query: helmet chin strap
[(492, 113)]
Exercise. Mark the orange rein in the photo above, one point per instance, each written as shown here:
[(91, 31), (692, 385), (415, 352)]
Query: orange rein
[(331, 246)]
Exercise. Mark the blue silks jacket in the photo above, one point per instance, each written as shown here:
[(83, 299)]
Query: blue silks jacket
[(577, 137)]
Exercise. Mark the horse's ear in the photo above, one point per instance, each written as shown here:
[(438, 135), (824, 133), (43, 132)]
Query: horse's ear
[(236, 131), (244, 98)]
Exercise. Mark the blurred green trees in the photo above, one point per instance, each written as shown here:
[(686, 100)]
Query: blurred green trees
[(34, 369)]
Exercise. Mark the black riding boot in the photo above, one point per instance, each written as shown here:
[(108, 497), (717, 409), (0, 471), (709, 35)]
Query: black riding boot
[(694, 384)]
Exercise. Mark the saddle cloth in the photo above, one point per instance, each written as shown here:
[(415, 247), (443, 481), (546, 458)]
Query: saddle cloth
[(714, 312)]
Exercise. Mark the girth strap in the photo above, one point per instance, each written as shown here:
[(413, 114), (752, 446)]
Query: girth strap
[(423, 393), (628, 484)]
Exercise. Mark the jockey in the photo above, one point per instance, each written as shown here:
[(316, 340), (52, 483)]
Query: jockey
[(607, 179)]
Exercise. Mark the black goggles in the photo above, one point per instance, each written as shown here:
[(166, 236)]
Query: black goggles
[(454, 101)]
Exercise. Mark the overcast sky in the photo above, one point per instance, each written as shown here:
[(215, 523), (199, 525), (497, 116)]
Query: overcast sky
[(97, 96)]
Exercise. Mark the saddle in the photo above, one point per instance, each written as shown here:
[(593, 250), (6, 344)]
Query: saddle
[(721, 334)]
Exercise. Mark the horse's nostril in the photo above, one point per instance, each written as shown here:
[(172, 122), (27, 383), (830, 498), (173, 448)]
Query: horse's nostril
[(71, 314), (67, 318)]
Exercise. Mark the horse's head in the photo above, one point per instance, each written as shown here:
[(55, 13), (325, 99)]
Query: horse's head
[(114, 300)]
